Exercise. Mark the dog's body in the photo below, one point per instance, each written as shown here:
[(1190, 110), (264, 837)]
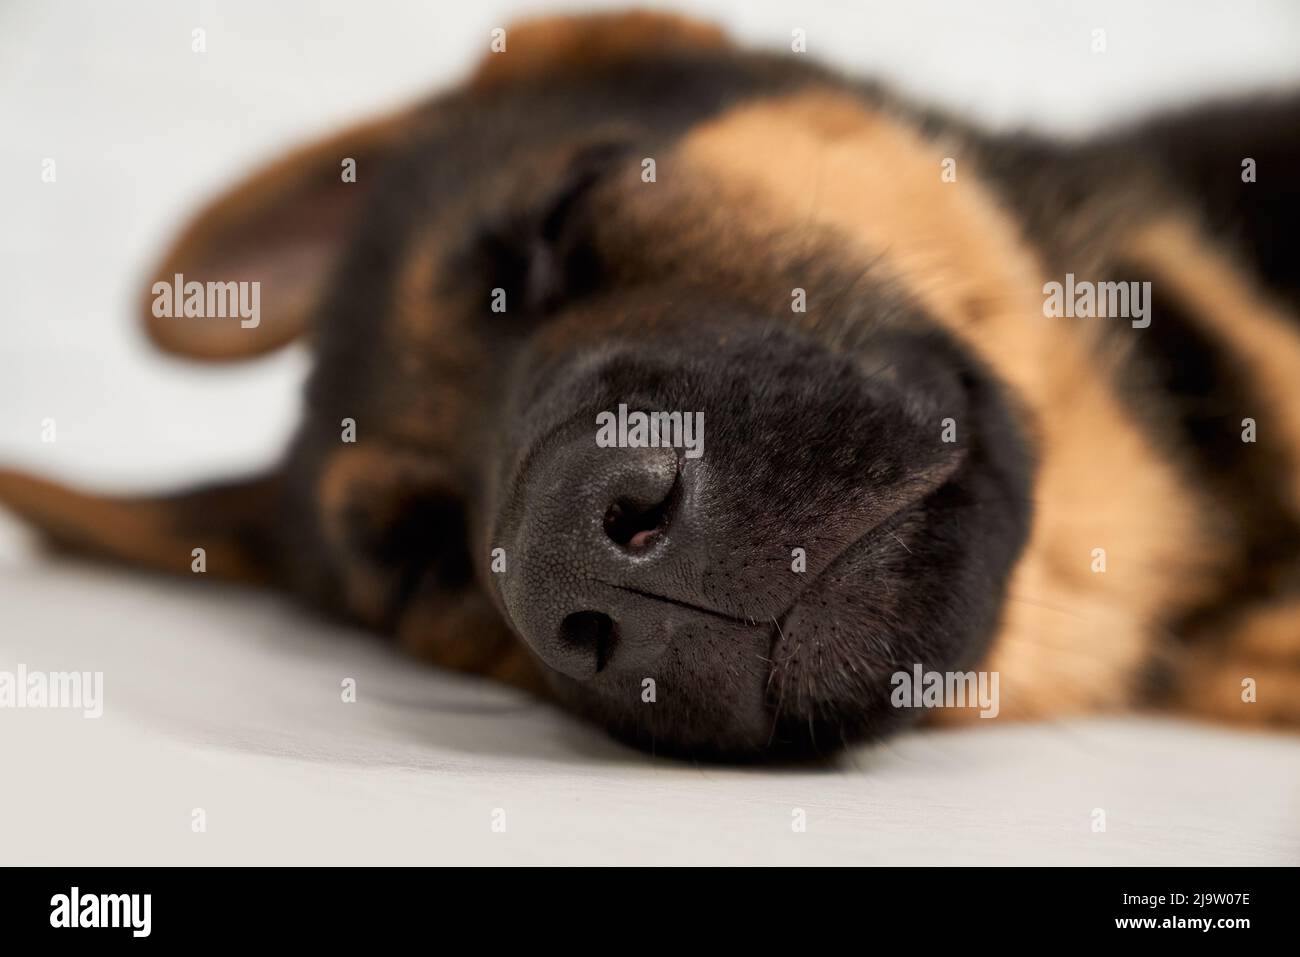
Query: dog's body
[(850, 292)]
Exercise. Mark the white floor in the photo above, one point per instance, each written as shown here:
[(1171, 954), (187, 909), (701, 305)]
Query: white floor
[(229, 701)]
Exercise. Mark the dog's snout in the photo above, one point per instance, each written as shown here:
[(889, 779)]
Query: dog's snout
[(594, 519)]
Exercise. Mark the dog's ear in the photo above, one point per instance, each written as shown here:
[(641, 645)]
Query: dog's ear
[(557, 46), (282, 228), (221, 530)]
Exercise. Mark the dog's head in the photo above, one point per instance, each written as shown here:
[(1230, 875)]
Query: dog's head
[(581, 385)]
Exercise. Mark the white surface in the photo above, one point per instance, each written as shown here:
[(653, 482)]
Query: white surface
[(229, 701)]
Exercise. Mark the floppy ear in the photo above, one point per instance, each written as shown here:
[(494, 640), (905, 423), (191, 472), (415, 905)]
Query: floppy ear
[(544, 48), (281, 228), (230, 523)]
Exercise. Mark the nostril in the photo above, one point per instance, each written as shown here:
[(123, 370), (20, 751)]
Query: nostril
[(591, 631), (636, 526)]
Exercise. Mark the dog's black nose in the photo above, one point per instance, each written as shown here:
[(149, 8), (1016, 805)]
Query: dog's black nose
[(593, 523)]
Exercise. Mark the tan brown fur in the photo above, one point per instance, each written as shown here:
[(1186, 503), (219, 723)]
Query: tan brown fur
[(1264, 643), (1071, 640), (1230, 306), (155, 533), (1262, 647), (557, 46)]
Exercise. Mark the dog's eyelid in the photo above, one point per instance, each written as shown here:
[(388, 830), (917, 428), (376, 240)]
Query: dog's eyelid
[(590, 166), (540, 253)]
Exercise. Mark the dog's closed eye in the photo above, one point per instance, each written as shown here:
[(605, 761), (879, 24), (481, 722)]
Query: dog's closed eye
[(540, 255)]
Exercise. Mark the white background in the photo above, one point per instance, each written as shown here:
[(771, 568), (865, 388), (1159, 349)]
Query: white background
[(225, 700), (142, 130)]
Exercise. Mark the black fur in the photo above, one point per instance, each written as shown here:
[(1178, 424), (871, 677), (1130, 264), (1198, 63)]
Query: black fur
[(824, 431)]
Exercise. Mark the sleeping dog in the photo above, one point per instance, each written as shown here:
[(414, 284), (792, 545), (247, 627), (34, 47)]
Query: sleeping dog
[(961, 403)]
